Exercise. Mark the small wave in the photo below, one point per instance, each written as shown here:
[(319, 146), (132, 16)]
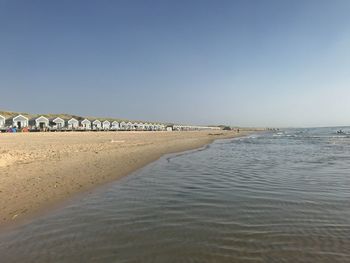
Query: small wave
[(187, 152)]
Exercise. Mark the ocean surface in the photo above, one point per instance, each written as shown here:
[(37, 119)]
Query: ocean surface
[(272, 197)]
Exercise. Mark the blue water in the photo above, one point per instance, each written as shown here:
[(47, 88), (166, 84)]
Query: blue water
[(270, 197)]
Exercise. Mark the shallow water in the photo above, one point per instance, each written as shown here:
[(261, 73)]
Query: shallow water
[(275, 197)]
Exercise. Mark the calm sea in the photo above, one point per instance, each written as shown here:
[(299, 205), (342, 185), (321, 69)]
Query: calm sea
[(270, 197)]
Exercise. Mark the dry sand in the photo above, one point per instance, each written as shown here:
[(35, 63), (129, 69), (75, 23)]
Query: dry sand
[(38, 170)]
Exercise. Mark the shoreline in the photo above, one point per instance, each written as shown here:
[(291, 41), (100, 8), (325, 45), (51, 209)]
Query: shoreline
[(45, 170)]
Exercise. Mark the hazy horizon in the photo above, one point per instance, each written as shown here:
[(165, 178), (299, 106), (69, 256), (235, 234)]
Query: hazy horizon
[(240, 63)]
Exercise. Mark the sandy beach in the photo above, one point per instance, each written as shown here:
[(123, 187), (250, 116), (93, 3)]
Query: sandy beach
[(37, 170)]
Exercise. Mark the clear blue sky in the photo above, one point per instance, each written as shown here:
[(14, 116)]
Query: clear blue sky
[(248, 63)]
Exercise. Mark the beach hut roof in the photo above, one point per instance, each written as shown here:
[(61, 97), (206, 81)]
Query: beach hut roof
[(2, 117), (20, 116), (85, 121), (55, 119), (115, 122), (73, 120), (41, 117), (106, 121), (96, 121)]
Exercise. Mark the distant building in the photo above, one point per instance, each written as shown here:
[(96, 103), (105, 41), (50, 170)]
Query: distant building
[(106, 125), (57, 123), (40, 123), (134, 126), (2, 121), (86, 124), (129, 126), (115, 125), (73, 123), (122, 126), (140, 126), (96, 125), (18, 122)]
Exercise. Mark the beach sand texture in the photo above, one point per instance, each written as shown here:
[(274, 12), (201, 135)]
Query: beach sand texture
[(39, 169)]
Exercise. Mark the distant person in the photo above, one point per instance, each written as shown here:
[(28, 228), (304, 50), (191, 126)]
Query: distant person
[(237, 130)]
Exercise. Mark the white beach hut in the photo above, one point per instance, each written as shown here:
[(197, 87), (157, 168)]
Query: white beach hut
[(140, 126), (106, 125), (134, 126), (40, 123), (57, 123), (19, 121), (96, 125), (72, 123), (2, 121), (86, 124), (122, 126), (115, 126), (129, 126)]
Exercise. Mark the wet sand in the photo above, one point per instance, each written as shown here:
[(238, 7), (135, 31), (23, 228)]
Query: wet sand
[(37, 170)]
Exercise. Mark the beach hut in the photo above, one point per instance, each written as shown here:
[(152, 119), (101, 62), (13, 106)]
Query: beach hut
[(134, 126), (96, 125), (129, 126), (86, 124), (72, 123), (2, 121), (40, 123), (122, 126), (57, 123), (140, 126), (18, 122), (115, 126), (106, 125)]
